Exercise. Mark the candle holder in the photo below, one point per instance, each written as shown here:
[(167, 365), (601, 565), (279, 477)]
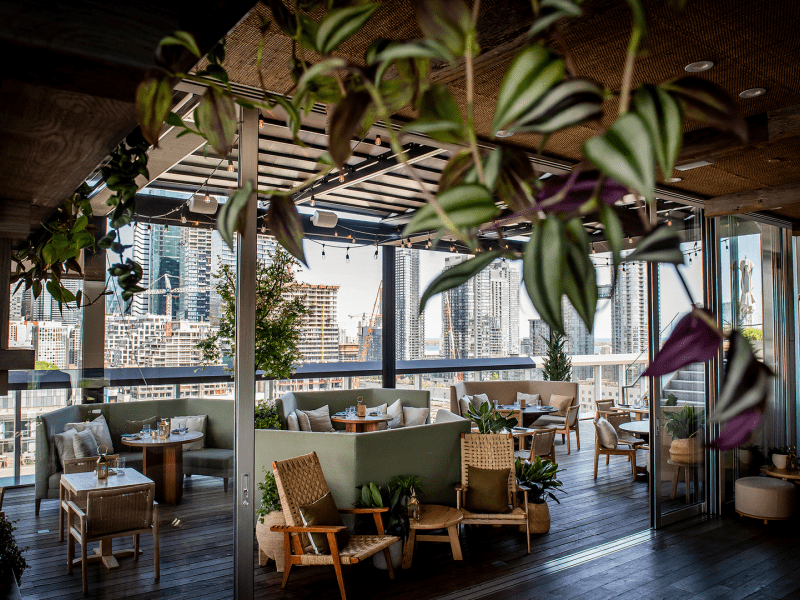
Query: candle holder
[(102, 464), (163, 429)]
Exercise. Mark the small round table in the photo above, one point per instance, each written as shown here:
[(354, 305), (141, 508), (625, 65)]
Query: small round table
[(434, 516), (361, 424), (530, 413), (162, 461), (792, 475), (640, 428)]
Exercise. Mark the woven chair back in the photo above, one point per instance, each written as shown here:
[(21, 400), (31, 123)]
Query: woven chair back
[(616, 419), (572, 416), (300, 481), (488, 451), (87, 464), (542, 442), (119, 509), (604, 406)]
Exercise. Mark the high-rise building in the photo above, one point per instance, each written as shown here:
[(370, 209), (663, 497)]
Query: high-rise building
[(579, 340), (410, 322), (52, 343), (480, 318), (319, 334), (194, 304), (629, 310), (375, 337), (45, 307), (540, 335), (158, 250)]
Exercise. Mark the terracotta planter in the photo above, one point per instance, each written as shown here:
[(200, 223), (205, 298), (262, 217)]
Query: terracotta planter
[(686, 451), (270, 543), (395, 551), (538, 517), (781, 461)]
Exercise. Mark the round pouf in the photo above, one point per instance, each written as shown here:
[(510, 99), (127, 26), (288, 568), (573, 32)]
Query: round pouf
[(764, 498)]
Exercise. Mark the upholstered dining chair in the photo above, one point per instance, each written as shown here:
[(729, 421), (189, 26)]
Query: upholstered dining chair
[(606, 443), (300, 483), (605, 407), (491, 452)]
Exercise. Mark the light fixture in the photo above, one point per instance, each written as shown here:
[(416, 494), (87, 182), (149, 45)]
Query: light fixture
[(323, 251), (335, 234), (752, 93), (263, 228), (674, 179), (376, 253), (699, 66), (630, 240), (230, 165), (260, 122), (166, 227), (341, 176), (324, 218), (148, 227), (691, 216), (694, 165), (205, 205), (313, 200), (503, 133), (452, 247), (669, 222), (378, 140), (183, 219), (347, 255)]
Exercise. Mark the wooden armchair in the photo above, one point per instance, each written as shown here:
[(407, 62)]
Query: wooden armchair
[(605, 407), (300, 482), (619, 450), (491, 451), (542, 444), (112, 513), (77, 465), (616, 419), (571, 424)]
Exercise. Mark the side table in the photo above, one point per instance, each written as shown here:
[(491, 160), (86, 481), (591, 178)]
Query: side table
[(434, 516), (792, 475)]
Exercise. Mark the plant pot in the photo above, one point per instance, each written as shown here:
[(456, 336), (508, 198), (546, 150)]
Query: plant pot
[(538, 517), (686, 451), (270, 543), (781, 461), (396, 553)]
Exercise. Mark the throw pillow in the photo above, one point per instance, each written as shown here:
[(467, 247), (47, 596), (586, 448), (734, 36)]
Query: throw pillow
[(318, 419), (324, 512), (606, 434), (64, 447), (136, 426), (530, 399), (302, 420), (193, 423), (487, 490), (85, 444), (384, 411), (414, 416), (561, 404), (479, 399), (99, 428), (291, 422), (396, 412), (445, 416), (464, 404)]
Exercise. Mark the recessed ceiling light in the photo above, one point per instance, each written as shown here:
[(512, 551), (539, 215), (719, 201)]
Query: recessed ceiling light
[(674, 179), (752, 93), (503, 133), (774, 160), (699, 66)]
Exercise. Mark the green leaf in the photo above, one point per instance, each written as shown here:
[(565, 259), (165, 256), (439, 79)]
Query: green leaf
[(624, 153), (321, 68), (231, 214), (567, 103), (366, 497), (662, 245), (345, 122), (439, 116), (340, 24), (467, 205), (532, 72), (55, 291), (446, 22), (153, 99), (376, 495), (543, 268), (413, 49), (174, 120), (551, 11), (215, 117), (286, 225), (182, 38), (580, 278), (283, 17), (455, 170), (614, 234), (639, 23), (462, 272), (708, 103), (664, 120)]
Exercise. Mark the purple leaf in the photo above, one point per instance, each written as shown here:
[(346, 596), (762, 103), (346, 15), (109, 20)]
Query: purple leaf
[(746, 383), (694, 339), (737, 430), (576, 189)]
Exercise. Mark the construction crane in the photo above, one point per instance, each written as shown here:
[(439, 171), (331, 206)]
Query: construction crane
[(368, 337), (450, 336), (169, 290)]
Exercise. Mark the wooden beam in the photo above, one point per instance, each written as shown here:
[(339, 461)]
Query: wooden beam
[(773, 199), (15, 219), (5, 307)]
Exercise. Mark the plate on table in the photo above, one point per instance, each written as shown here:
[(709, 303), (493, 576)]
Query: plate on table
[(132, 436), (549, 407)]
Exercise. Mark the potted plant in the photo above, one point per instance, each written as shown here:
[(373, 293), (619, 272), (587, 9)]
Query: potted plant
[(538, 479), (270, 513), (489, 420), (683, 425), (11, 559), (266, 415), (395, 497), (783, 457)]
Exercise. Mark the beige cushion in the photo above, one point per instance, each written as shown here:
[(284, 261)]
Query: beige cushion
[(291, 422), (315, 420), (384, 411), (445, 416), (765, 497), (64, 445), (414, 416), (99, 429), (530, 399), (396, 412), (606, 434), (561, 404), (323, 512), (193, 423), (136, 426), (479, 399), (84, 443)]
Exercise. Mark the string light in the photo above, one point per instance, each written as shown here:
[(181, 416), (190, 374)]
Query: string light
[(207, 199), (148, 227), (377, 140), (669, 222), (264, 228), (183, 219), (347, 256), (313, 200), (260, 122), (341, 176), (323, 251), (452, 247), (230, 166), (166, 228), (376, 253)]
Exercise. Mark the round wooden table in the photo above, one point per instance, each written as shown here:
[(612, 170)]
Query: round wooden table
[(640, 428), (792, 475), (638, 411), (434, 516), (162, 461), (361, 424), (529, 413)]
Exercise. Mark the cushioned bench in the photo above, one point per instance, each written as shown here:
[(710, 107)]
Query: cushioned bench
[(765, 498)]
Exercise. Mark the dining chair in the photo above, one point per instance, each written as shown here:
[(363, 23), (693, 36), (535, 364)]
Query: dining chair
[(542, 444), (623, 437), (76, 465), (570, 424), (605, 406), (112, 513), (612, 449)]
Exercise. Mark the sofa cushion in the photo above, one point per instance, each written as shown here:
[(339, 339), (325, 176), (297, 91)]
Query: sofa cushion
[(551, 420), (396, 412), (606, 434), (64, 447), (530, 399), (445, 416), (136, 426), (414, 416), (487, 490), (99, 429), (291, 422), (217, 459), (84, 443), (194, 423), (315, 420), (324, 512), (561, 404)]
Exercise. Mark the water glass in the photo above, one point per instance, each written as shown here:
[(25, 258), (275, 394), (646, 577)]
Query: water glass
[(121, 465), (351, 412), (146, 429), (380, 411)]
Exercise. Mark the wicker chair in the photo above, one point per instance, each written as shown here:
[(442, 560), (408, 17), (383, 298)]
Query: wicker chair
[(620, 450), (112, 513), (491, 451), (300, 481), (77, 465), (542, 444), (616, 419), (605, 407), (571, 424)]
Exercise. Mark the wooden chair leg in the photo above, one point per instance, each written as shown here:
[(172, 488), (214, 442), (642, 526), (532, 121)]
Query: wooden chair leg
[(632, 458), (156, 552), (577, 436), (136, 547), (225, 484), (608, 458), (390, 567), (60, 521), (287, 558), (337, 563), (596, 459), (70, 553), (38, 505), (84, 567), (568, 442)]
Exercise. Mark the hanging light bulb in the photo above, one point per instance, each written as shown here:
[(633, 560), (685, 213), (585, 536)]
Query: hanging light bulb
[(341, 176), (166, 228), (347, 256), (260, 122), (336, 234), (377, 140), (183, 219), (669, 222), (264, 228), (452, 247), (376, 253), (148, 227), (323, 251), (630, 240), (313, 200), (230, 166)]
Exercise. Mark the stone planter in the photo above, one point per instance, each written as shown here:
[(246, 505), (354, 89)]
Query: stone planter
[(781, 461), (538, 517), (395, 551), (270, 543), (686, 451)]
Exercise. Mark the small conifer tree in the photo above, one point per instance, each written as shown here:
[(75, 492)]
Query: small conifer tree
[(557, 365)]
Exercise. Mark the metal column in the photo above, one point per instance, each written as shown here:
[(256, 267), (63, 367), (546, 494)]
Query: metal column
[(388, 320), (244, 361)]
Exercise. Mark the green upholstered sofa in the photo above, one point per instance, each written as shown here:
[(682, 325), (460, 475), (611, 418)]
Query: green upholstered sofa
[(215, 460), (432, 451)]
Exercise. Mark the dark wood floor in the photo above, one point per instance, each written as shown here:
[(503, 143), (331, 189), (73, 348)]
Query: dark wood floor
[(716, 558)]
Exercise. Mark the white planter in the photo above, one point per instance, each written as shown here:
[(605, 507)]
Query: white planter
[(395, 551), (270, 543), (781, 461)]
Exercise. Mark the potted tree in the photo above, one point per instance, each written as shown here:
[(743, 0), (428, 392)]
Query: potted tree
[(489, 420), (270, 513), (266, 415), (683, 425), (12, 563), (538, 479)]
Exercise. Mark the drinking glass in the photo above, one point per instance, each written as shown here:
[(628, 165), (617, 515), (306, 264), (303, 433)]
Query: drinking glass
[(121, 465), (146, 429), (380, 411), (351, 412)]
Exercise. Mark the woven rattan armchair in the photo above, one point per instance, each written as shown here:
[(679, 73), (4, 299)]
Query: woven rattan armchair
[(605, 407), (542, 444), (616, 419), (300, 482), (112, 513), (77, 465), (491, 451)]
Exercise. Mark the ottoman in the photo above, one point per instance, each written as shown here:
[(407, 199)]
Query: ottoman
[(765, 498)]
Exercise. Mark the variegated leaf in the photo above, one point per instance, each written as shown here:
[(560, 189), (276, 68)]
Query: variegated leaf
[(230, 217), (567, 103), (543, 268), (466, 205), (215, 117), (341, 23), (664, 120), (462, 272), (662, 245), (286, 225)]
